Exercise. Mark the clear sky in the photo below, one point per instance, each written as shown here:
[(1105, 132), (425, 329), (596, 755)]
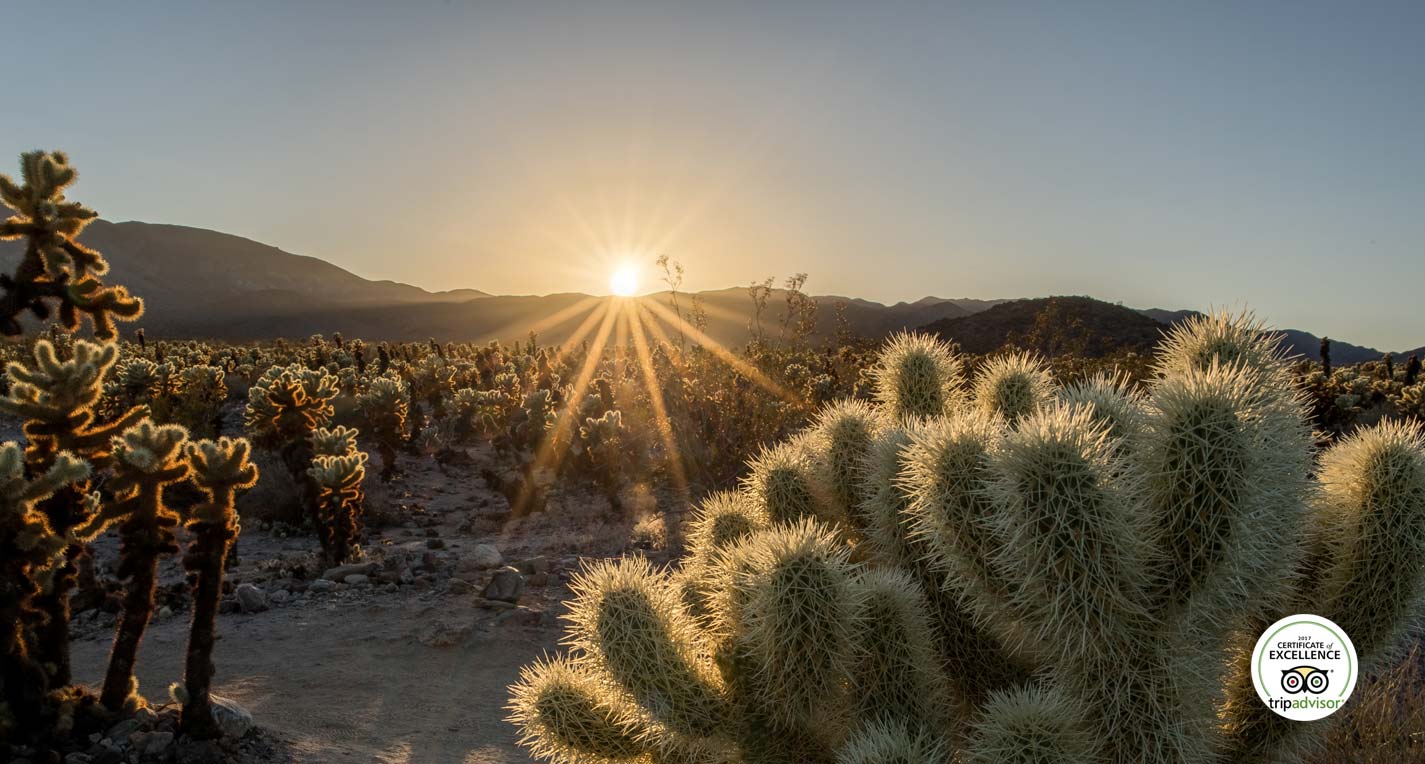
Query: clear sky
[(1269, 154)]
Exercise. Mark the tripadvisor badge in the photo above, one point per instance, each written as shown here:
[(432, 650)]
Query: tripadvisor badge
[(1304, 667)]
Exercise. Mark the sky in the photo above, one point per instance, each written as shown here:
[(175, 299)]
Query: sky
[(1268, 155)]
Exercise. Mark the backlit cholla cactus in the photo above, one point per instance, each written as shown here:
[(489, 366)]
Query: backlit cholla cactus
[(55, 269), (29, 547), (56, 399), (1044, 575), (384, 406), (220, 469), (602, 444), (288, 402), (917, 376), (1013, 386), (202, 391), (338, 503), (337, 469), (147, 459), (284, 407)]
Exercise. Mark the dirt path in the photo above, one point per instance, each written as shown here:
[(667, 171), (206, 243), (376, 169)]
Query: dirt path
[(354, 681), (408, 668)]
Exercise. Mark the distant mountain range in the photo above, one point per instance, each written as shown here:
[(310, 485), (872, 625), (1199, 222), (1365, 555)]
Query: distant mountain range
[(207, 284)]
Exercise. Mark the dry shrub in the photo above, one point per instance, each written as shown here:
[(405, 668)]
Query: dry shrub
[(276, 497), (1385, 720)]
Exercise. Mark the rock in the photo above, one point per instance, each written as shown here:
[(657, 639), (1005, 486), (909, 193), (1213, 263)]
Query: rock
[(250, 598), (538, 579), (505, 586), (534, 565), (461, 586), (199, 752), (520, 616), (444, 634), (483, 557), (280, 597), (232, 718), (165, 612), (340, 572), (153, 743), (78, 758), (321, 585), (357, 579), (391, 588), (435, 543), (497, 604), (123, 729)]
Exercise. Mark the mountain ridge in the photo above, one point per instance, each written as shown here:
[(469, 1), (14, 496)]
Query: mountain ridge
[(202, 283)]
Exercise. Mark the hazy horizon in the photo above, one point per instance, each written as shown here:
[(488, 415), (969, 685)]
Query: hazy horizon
[(1216, 155)]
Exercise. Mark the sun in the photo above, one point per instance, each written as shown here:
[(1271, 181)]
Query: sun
[(624, 281)]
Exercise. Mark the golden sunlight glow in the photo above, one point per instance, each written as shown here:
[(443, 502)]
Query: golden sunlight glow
[(624, 281)]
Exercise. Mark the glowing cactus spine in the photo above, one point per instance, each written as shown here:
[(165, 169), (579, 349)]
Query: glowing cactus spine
[(1076, 532)]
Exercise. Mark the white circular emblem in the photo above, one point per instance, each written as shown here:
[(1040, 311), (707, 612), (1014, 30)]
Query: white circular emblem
[(1304, 667)]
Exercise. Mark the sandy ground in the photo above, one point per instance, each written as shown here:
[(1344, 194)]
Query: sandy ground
[(384, 673)]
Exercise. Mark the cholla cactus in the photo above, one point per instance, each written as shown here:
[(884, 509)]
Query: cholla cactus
[(838, 445), (202, 391), (1014, 385), (135, 381), (55, 267), (334, 441), (384, 405), (287, 403), (28, 547), (56, 399), (220, 469), (147, 459), (602, 444), (1043, 558), (917, 376), (339, 498)]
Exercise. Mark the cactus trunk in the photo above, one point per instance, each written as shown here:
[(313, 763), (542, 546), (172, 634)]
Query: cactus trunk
[(206, 557)]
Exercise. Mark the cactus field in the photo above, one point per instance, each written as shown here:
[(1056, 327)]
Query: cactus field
[(639, 547)]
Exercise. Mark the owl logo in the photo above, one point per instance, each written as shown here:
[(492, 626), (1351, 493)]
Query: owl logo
[(1305, 679)]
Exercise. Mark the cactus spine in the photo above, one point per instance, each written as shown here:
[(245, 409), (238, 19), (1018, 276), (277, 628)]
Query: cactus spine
[(1043, 576)]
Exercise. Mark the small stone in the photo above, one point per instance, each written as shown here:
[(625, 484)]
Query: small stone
[(250, 598), (391, 588), (165, 612), (483, 557), (154, 743), (461, 586), (78, 758), (321, 585), (534, 565), (435, 543), (506, 585), (538, 579), (232, 718), (357, 579), (340, 572), (280, 597), (123, 729)]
